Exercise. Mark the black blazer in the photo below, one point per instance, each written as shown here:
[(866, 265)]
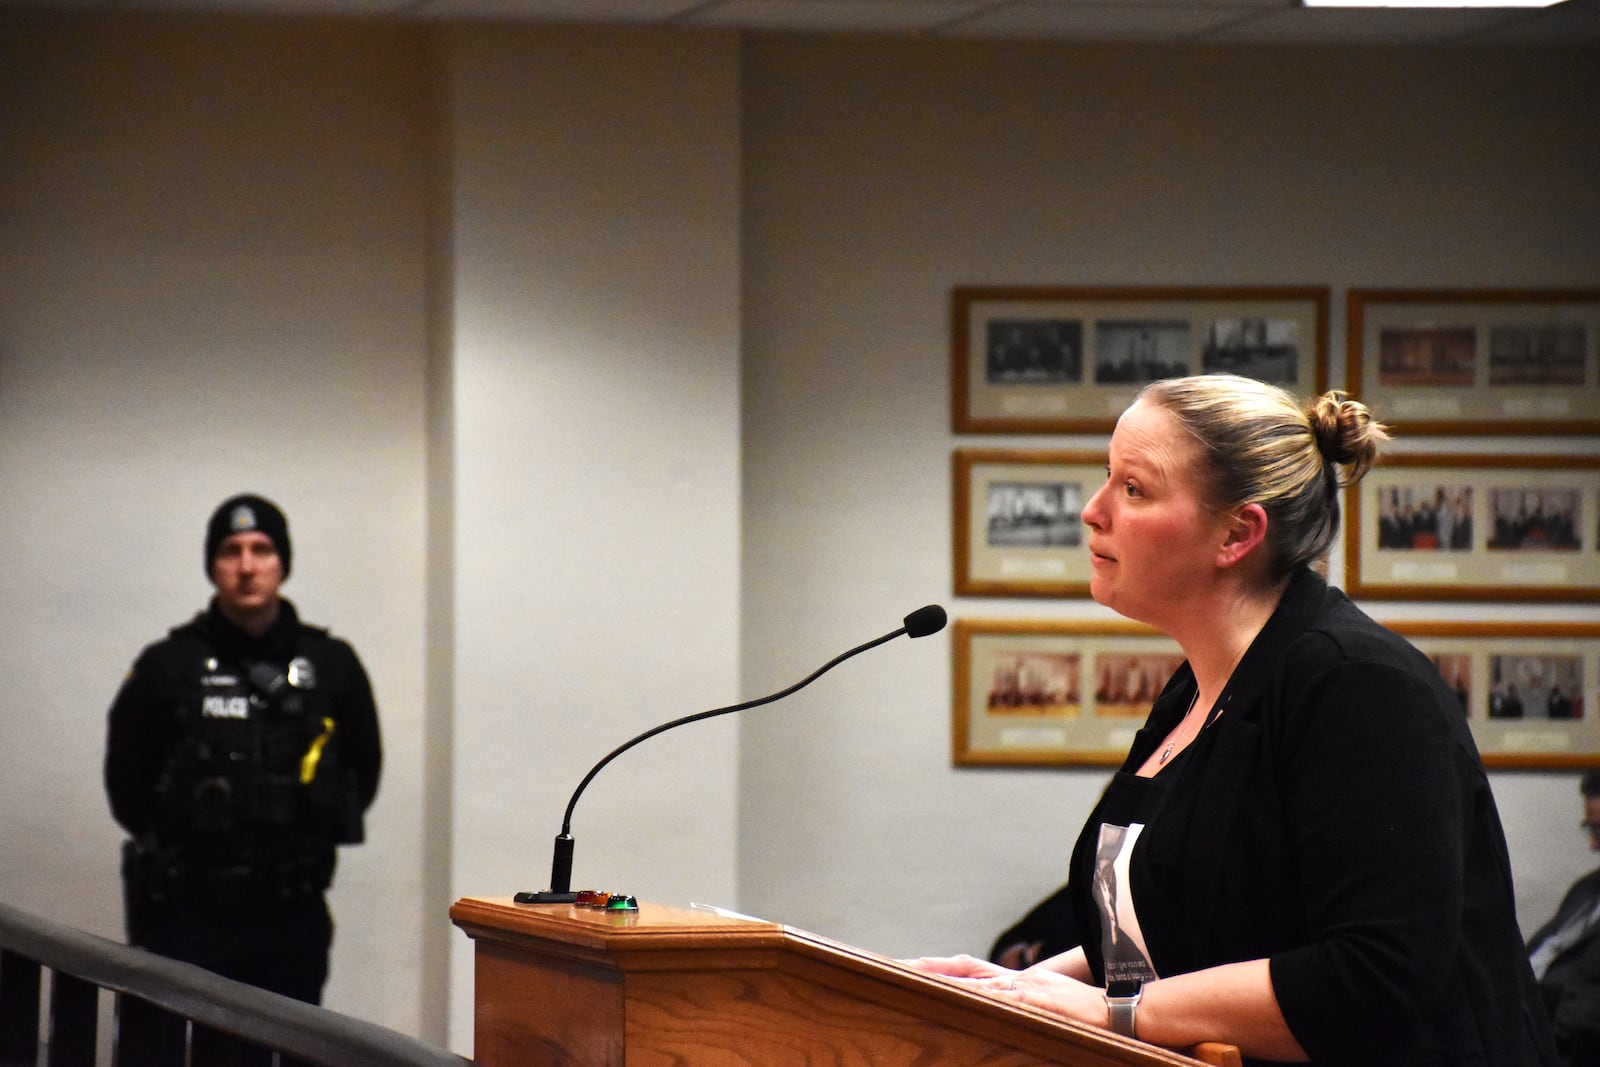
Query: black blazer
[(1336, 820)]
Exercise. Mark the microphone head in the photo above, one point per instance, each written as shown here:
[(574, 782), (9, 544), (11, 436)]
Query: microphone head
[(925, 621)]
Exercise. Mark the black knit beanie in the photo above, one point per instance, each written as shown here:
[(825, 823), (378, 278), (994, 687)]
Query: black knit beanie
[(241, 514)]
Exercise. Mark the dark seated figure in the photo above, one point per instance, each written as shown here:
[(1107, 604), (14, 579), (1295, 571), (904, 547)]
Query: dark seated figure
[(1565, 952), (1047, 930)]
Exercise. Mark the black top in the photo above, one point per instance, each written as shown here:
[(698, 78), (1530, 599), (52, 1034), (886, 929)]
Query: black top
[(211, 715), (1336, 820)]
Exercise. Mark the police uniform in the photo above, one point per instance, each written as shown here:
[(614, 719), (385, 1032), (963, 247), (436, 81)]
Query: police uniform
[(237, 763)]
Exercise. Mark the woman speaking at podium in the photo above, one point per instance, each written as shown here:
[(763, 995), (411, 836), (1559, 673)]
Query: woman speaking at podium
[(1301, 855)]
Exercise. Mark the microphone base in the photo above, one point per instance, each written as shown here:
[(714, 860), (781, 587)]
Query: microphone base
[(545, 896)]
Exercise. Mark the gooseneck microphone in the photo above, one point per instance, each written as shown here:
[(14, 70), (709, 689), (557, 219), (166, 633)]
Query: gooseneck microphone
[(920, 623)]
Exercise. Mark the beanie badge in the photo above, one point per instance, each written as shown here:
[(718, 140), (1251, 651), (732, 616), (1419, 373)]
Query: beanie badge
[(243, 514)]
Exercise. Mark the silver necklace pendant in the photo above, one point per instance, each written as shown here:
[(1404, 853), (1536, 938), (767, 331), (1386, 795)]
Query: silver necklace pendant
[(1161, 760)]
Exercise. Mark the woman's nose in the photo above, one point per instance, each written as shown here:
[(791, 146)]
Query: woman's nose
[(1091, 511)]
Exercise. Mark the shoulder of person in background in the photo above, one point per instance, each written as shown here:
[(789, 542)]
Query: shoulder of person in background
[(1048, 929)]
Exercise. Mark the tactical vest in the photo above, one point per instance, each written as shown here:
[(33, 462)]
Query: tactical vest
[(256, 759)]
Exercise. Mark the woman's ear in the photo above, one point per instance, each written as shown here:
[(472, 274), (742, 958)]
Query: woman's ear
[(1247, 530)]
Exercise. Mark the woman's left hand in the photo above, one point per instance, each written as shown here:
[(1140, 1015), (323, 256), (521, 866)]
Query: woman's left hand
[(1038, 986), (1047, 990)]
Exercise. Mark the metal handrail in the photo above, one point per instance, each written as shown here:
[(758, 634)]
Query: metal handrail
[(289, 1026)]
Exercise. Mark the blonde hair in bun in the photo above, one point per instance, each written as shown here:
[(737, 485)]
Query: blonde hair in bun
[(1259, 445), (1346, 433)]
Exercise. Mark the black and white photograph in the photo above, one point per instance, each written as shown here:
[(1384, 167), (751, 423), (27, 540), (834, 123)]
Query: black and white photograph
[(1123, 945), (1266, 349), (1035, 351), (1043, 359), (1035, 513), (1140, 351)]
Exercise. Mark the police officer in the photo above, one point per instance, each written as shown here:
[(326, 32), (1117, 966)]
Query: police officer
[(241, 749)]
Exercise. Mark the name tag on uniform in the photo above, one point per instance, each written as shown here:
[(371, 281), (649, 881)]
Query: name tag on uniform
[(225, 707)]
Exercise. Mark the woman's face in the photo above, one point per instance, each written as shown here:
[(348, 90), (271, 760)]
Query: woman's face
[(1152, 543)]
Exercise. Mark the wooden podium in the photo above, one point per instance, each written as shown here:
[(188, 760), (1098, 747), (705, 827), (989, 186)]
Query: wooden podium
[(559, 984)]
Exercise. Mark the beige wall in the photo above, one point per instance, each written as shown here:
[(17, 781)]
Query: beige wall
[(595, 206), (603, 375), (211, 280)]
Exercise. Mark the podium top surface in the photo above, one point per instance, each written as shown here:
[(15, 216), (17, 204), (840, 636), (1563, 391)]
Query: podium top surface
[(654, 928)]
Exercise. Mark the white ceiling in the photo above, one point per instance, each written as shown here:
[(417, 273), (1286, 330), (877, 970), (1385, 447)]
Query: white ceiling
[(1221, 21)]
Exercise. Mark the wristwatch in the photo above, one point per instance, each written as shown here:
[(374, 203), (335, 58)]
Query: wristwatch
[(1122, 1001)]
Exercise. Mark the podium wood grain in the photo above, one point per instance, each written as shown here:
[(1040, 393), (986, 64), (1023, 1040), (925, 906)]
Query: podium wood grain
[(579, 987)]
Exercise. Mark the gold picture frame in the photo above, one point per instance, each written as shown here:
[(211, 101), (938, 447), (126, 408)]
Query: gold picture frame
[(1476, 361), (1060, 693), (1060, 359), (1017, 528), (1028, 693), (1549, 671), (1475, 527)]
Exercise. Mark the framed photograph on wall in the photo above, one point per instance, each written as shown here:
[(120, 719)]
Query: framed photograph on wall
[(1029, 694), (1529, 690), (1047, 359), (1017, 521), (1476, 361), (1459, 527)]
